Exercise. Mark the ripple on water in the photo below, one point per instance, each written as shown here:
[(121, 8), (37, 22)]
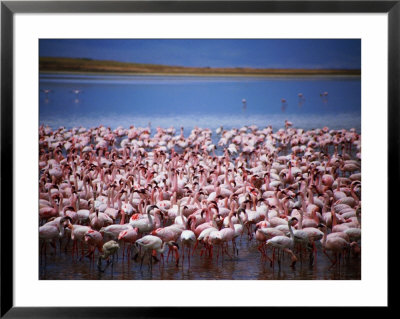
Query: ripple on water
[(247, 266)]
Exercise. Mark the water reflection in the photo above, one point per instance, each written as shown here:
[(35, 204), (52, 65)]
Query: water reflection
[(302, 100), (246, 266)]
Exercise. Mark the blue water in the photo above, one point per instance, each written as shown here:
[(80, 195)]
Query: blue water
[(125, 100)]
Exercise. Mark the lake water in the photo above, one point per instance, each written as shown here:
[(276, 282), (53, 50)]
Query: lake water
[(125, 100), (246, 266)]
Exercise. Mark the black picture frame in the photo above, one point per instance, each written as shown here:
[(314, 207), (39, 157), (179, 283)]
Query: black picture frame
[(9, 8)]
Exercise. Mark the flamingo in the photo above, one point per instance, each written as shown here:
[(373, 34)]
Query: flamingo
[(148, 225), (94, 239), (188, 239), (335, 244), (51, 231), (97, 176), (228, 234), (284, 243), (129, 236), (150, 243), (110, 248), (78, 234)]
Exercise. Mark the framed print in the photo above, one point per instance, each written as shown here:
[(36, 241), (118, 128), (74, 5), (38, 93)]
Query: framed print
[(196, 153)]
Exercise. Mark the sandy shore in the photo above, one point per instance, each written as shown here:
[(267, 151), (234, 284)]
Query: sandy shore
[(87, 66)]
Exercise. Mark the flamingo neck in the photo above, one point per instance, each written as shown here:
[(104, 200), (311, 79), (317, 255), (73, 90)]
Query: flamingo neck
[(150, 218), (354, 195), (193, 224), (291, 231), (254, 203), (324, 238), (315, 216), (61, 229), (122, 221), (78, 202), (334, 220), (285, 208), (301, 219)]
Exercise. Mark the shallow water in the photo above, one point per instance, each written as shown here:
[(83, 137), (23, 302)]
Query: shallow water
[(166, 101), (246, 266)]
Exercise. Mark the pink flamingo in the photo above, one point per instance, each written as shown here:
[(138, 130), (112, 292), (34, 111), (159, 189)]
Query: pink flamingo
[(153, 243), (335, 244)]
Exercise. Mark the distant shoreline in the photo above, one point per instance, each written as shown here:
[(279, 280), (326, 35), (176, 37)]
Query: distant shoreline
[(88, 66), (198, 75)]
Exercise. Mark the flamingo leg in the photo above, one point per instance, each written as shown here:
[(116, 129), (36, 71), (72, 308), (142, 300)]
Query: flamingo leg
[(82, 250), (330, 259), (299, 249), (264, 248), (176, 255), (99, 264), (273, 257), (60, 240), (141, 261), (41, 251), (259, 248), (235, 248), (195, 246), (315, 251), (112, 264), (128, 253), (294, 258), (169, 251), (279, 258), (66, 245), (201, 251), (335, 261), (226, 250), (189, 256), (151, 262), (73, 249)]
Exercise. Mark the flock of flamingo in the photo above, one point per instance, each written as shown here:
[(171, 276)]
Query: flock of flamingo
[(290, 193)]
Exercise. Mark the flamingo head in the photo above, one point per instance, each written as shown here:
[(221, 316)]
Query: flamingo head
[(151, 207), (293, 220), (175, 247), (155, 232), (122, 234), (172, 243), (65, 221), (89, 234), (188, 222)]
